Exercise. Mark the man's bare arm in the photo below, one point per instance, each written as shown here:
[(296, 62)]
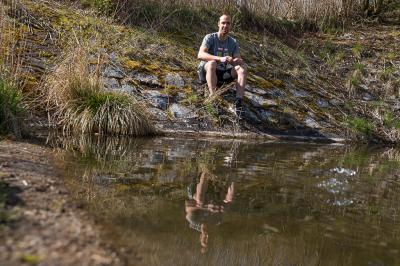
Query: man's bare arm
[(205, 56)]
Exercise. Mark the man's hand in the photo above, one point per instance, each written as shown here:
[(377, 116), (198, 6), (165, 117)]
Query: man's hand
[(237, 61), (226, 59)]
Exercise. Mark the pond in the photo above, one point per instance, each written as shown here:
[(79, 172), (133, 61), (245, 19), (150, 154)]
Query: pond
[(170, 201)]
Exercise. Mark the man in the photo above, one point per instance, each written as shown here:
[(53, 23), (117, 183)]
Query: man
[(221, 61)]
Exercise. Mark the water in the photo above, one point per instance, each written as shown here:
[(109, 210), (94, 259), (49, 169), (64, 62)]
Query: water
[(171, 201)]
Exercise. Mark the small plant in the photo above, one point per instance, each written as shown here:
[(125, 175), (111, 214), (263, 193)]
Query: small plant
[(387, 73), (11, 111), (361, 126), (360, 67), (390, 121), (357, 50), (211, 109)]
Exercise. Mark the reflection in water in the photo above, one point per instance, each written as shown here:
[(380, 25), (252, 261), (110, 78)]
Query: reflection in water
[(293, 204), (208, 199)]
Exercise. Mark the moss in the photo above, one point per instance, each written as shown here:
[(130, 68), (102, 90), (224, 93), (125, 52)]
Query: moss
[(260, 82), (132, 64), (171, 90), (30, 259), (279, 83)]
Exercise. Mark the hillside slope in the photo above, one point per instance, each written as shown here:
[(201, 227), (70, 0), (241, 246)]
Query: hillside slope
[(343, 85)]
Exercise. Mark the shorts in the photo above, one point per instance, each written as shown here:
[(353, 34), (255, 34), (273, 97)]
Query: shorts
[(223, 75)]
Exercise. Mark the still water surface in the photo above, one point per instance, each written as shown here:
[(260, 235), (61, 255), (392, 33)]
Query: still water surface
[(167, 201)]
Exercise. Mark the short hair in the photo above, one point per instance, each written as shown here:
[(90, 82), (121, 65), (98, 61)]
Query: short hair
[(224, 14)]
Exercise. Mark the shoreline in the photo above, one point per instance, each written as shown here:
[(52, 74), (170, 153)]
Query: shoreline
[(49, 228)]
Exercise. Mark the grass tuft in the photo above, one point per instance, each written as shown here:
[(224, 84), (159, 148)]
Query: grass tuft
[(77, 102), (11, 111)]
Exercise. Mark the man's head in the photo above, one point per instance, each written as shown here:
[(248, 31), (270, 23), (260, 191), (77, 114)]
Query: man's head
[(224, 25)]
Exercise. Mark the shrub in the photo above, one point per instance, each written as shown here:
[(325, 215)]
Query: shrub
[(11, 111), (77, 102)]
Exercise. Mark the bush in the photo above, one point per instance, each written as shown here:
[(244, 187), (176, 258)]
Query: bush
[(77, 102), (11, 111)]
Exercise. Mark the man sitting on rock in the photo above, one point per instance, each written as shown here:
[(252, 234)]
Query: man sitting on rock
[(221, 61)]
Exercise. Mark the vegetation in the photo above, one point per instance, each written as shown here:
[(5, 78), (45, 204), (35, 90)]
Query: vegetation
[(11, 110), (78, 103)]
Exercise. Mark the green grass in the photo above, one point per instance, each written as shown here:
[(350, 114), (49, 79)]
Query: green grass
[(361, 126), (10, 109)]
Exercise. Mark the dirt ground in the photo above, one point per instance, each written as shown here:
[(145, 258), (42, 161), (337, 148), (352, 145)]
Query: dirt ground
[(47, 227)]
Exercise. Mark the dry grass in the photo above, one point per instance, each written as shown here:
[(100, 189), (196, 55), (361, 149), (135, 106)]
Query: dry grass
[(11, 109), (77, 101), (248, 13)]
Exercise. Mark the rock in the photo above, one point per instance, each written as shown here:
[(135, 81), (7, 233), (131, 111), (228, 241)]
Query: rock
[(335, 102), (111, 83), (250, 116), (258, 101), (322, 103), (311, 123), (113, 72), (299, 93), (174, 79), (146, 79), (113, 57), (180, 111), (158, 114), (265, 115), (129, 89), (156, 99), (255, 90), (276, 93), (368, 97)]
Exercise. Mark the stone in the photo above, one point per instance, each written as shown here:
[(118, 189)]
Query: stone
[(111, 83), (276, 93), (113, 57), (129, 89), (299, 93), (322, 103), (174, 79), (311, 123), (250, 116), (157, 113), (180, 111), (265, 115), (156, 99), (255, 90), (146, 79), (258, 101), (368, 97), (335, 102), (113, 72)]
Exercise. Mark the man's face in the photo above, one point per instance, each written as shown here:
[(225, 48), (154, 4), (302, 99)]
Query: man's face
[(224, 25)]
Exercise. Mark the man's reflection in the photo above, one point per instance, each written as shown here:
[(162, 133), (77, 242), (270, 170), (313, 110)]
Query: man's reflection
[(209, 198)]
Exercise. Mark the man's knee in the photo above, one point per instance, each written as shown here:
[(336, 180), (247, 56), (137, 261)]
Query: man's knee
[(241, 71), (211, 65)]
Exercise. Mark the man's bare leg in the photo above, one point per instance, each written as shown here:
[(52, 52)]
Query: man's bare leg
[(211, 76), (240, 72)]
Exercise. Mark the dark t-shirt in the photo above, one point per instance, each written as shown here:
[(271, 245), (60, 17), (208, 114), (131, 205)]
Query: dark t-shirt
[(229, 47)]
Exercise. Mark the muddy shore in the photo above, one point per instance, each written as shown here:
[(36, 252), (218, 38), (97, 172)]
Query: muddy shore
[(47, 227)]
